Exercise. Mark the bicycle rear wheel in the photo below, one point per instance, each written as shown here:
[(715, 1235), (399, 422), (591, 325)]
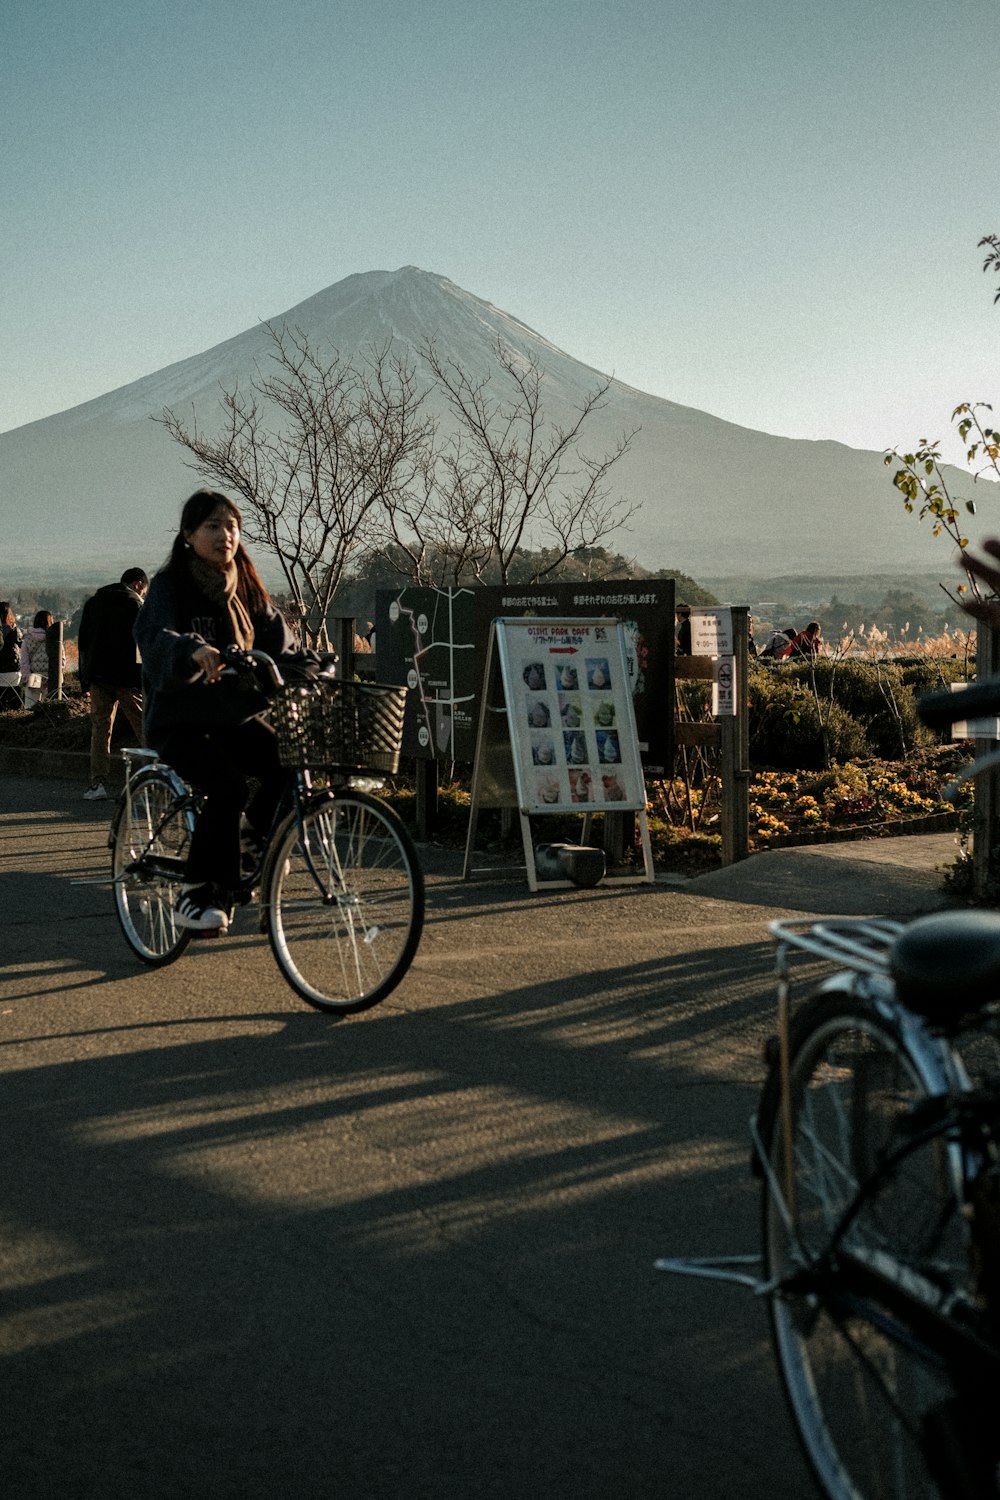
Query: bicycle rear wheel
[(150, 837), (344, 901), (863, 1394)]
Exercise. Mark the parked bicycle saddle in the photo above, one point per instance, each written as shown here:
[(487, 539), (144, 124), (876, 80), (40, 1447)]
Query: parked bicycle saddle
[(948, 964)]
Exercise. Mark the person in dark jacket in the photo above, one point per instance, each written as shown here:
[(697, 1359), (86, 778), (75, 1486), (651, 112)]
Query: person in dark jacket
[(109, 669), (10, 657), (205, 722), (682, 621)]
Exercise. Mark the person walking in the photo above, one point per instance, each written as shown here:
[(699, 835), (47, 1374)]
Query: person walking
[(206, 722), (109, 668), (10, 658)]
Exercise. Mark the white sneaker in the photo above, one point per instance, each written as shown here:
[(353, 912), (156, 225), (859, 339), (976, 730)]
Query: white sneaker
[(95, 792), (194, 910)]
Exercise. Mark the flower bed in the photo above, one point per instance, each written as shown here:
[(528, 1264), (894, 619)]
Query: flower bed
[(860, 799), (854, 799)]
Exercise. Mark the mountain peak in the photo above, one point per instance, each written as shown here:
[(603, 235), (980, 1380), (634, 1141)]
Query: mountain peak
[(86, 480)]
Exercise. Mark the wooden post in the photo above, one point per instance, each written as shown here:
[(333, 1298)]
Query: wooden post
[(986, 811), (427, 797), (735, 810), (618, 826), (732, 734), (341, 632), (54, 645)]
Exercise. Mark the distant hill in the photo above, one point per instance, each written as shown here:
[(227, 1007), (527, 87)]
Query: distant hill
[(864, 588), (98, 487)]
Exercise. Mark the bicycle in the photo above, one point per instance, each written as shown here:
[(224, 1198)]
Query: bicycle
[(877, 1143), (341, 892)]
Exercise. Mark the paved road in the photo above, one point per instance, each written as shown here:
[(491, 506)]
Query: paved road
[(249, 1252)]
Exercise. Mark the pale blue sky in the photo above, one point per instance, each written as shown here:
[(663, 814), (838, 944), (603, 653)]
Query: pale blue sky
[(765, 209)]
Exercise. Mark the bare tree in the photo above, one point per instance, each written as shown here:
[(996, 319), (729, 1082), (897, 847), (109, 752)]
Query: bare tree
[(507, 480), (320, 452), (333, 461)]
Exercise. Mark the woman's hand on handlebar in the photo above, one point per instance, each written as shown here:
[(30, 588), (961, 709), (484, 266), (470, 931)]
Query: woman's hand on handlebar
[(256, 665), (209, 661), (989, 573)]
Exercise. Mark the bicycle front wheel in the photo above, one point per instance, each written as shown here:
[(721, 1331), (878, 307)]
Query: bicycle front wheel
[(150, 836), (864, 1395), (344, 901)]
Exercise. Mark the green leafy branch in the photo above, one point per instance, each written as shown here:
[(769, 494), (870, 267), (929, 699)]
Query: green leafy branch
[(920, 477)]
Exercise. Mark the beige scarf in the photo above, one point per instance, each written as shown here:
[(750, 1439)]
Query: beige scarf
[(221, 587)]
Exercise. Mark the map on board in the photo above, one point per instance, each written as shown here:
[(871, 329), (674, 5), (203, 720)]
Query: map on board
[(425, 639), (435, 639)]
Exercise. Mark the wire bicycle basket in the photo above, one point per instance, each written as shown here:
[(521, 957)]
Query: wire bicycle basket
[(344, 725)]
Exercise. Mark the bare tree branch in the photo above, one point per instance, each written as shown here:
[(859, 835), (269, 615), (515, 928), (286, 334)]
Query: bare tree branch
[(513, 477), (319, 452)]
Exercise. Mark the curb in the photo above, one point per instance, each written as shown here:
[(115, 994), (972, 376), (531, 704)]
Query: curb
[(66, 765), (943, 822)]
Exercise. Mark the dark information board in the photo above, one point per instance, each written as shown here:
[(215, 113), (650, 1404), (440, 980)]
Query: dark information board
[(435, 641)]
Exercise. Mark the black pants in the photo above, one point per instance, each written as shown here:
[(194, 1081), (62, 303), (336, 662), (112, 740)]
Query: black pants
[(218, 761)]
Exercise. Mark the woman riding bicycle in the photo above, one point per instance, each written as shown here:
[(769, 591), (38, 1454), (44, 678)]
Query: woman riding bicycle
[(202, 721)]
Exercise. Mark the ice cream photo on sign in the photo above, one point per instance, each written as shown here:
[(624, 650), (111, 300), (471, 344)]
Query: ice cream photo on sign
[(576, 748), (608, 749), (543, 750), (570, 711), (581, 786), (598, 673)]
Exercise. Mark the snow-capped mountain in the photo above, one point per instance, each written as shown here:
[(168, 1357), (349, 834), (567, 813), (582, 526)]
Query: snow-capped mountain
[(101, 484)]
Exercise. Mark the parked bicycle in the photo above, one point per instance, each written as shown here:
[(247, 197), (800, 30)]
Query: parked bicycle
[(340, 889), (877, 1142)]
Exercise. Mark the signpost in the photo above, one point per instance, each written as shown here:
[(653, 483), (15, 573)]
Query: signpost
[(557, 730)]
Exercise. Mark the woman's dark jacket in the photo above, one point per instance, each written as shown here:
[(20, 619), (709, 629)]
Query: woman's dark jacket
[(10, 649), (105, 641), (174, 621)]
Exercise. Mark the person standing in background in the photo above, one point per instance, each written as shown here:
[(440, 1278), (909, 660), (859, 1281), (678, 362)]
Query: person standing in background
[(682, 624), (110, 670), (35, 659), (10, 658)]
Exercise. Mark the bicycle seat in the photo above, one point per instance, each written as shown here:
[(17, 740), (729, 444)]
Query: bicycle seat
[(948, 964)]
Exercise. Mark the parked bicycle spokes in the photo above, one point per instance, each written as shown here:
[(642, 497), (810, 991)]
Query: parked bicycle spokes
[(876, 1139), (341, 893)]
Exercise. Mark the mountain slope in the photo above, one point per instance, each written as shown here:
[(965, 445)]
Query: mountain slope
[(101, 484)]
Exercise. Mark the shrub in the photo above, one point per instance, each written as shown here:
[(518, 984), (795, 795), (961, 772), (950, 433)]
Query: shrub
[(787, 731), (925, 676), (874, 694)]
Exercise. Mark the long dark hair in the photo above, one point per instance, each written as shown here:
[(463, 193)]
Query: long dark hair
[(7, 614), (197, 508)]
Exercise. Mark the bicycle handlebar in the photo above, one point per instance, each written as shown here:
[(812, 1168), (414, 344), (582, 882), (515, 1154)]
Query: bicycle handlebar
[(237, 659)]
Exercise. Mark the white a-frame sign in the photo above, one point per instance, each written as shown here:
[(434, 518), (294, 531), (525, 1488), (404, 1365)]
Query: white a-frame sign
[(557, 728)]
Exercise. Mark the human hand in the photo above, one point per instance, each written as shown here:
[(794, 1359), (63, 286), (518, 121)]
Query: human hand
[(209, 661), (987, 610)]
